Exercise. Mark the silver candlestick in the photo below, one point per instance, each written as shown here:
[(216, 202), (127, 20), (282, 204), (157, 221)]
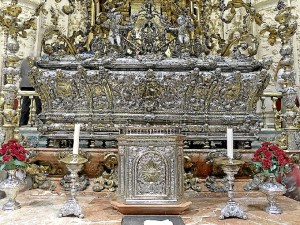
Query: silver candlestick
[(232, 209), (74, 164)]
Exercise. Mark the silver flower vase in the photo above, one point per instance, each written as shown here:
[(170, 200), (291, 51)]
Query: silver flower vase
[(11, 186), (272, 189)]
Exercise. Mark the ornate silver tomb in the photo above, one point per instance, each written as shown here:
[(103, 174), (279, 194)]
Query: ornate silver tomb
[(202, 97), (148, 71)]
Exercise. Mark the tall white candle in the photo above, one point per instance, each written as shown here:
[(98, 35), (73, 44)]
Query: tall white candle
[(76, 139), (230, 143)]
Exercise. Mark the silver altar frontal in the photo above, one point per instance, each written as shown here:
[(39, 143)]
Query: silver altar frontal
[(151, 166)]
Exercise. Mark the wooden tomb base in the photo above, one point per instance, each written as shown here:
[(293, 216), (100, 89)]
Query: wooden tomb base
[(150, 209)]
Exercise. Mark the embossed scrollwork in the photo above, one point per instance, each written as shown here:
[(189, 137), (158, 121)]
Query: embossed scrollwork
[(108, 174), (190, 180)]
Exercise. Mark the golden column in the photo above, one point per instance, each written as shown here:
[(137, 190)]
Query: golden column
[(13, 28)]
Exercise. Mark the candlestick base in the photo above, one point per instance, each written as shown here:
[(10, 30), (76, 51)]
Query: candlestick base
[(74, 164), (232, 209), (71, 207)]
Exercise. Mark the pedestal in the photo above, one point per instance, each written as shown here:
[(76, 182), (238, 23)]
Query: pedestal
[(150, 171), (149, 209)]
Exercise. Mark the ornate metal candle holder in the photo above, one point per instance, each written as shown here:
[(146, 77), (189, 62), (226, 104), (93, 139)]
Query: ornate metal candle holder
[(232, 209), (74, 164)]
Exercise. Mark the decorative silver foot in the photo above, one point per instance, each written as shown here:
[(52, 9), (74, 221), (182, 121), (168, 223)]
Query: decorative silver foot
[(273, 209), (71, 207), (11, 205), (232, 209)]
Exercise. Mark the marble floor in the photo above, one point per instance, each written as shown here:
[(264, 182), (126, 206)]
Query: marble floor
[(41, 208)]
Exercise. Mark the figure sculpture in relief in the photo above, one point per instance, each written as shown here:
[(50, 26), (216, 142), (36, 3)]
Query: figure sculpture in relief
[(114, 25), (280, 82), (184, 27)]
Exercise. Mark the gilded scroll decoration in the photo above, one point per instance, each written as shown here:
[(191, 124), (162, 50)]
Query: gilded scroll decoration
[(286, 28), (108, 174), (190, 180), (130, 28), (39, 174)]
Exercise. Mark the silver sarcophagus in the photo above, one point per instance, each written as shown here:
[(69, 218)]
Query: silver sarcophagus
[(201, 96)]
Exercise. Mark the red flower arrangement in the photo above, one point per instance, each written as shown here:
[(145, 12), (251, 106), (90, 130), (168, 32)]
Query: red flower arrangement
[(13, 155), (270, 158)]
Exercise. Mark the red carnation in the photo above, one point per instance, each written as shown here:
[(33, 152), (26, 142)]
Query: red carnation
[(266, 163), (3, 150), (268, 154), (287, 161), (283, 160), (274, 148), (256, 158), (266, 144), (23, 151), (257, 153), (11, 151), (285, 155), (21, 157), (12, 141), (14, 152), (7, 158), (278, 153), (271, 158)]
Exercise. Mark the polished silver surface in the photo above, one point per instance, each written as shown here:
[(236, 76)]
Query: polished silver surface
[(272, 189), (232, 208), (150, 167), (11, 186), (203, 97), (74, 164)]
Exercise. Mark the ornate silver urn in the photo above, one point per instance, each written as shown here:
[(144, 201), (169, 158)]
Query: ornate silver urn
[(272, 189), (11, 187)]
